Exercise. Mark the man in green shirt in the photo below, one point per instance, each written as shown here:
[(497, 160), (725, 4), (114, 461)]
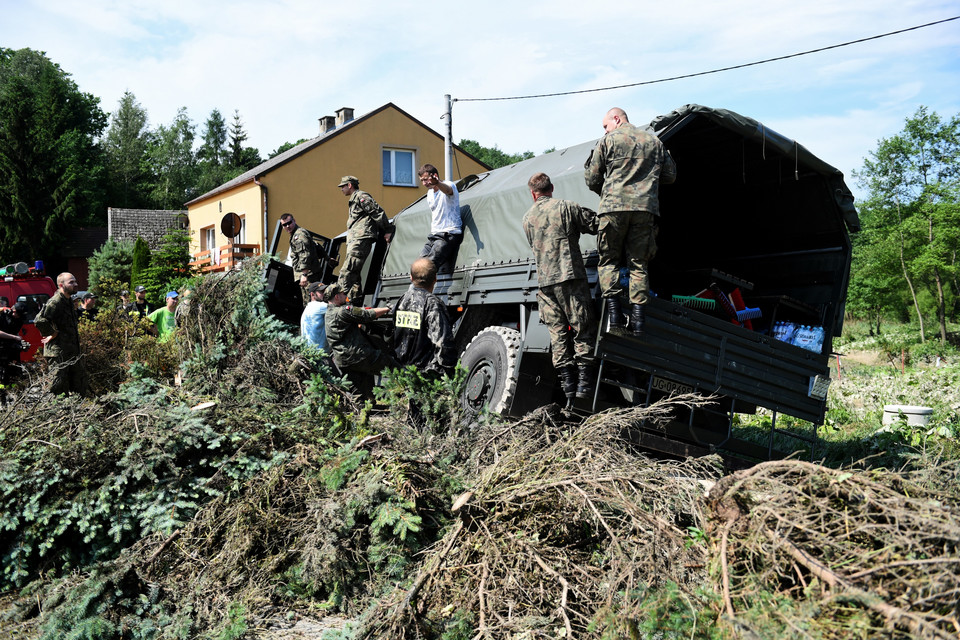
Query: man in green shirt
[(165, 318)]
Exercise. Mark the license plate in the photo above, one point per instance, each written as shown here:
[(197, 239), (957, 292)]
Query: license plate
[(670, 387)]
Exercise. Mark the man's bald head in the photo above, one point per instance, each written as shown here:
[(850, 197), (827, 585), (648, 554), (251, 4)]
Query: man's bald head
[(423, 273), (614, 118)]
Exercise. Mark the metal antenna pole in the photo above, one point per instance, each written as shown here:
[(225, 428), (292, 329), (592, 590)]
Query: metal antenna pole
[(448, 137)]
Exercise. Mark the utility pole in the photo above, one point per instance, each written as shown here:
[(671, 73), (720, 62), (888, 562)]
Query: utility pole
[(448, 138)]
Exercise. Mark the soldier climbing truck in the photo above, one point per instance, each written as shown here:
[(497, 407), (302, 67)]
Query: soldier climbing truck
[(750, 281)]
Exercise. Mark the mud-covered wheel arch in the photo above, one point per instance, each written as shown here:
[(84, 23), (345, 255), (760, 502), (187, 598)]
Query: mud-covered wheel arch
[(492, 362)]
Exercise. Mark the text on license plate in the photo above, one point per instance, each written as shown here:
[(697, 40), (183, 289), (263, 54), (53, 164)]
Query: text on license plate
[(671, 387)]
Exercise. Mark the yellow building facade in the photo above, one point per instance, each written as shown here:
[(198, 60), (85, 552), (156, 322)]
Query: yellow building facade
[(383, 149)]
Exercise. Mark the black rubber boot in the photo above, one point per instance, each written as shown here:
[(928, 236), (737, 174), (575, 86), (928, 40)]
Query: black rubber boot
[(614, 314), (568, 377), (585, 385), (568, 381), (637, 319)]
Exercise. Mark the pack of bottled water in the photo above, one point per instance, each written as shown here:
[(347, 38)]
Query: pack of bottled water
[(809, 337)]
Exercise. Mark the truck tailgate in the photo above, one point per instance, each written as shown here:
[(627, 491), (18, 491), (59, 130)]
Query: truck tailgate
[(713, 355)]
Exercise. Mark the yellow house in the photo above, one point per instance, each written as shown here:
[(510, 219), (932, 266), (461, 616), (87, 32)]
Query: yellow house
[(383, 149)]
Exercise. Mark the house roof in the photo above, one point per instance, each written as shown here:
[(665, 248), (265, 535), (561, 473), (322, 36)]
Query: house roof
[(82, 242), (294, 152)]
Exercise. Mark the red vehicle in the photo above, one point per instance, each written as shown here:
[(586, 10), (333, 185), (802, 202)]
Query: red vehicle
[(21, 283)]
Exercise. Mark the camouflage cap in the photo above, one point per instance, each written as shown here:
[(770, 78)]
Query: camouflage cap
[(348, 179), (332, 290)]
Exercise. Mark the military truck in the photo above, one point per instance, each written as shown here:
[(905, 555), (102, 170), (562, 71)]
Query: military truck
[(753, 244)]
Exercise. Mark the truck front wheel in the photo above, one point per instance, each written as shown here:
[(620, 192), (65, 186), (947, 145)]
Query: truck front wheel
[(491, 360)]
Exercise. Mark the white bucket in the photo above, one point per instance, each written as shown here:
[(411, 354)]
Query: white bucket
[(919, 416)]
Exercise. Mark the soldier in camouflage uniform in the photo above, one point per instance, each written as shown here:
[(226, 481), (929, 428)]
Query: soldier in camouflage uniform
[(57, 322), (553, 229), (626, 168), (365, 220), (423, 337), (303, 254), (358, 355)]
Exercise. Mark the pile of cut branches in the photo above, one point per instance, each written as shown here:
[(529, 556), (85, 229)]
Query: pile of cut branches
[(865, 553), (563, 533)]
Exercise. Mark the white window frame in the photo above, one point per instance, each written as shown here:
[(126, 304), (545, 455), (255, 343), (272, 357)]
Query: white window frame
[(393, 166)]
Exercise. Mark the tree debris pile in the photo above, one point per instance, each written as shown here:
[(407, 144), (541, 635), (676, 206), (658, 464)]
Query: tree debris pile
[(859, 553), (562, 534), (254, 492)]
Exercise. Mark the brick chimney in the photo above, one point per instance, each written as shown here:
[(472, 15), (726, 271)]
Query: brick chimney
[(344, 115), (326, 124)]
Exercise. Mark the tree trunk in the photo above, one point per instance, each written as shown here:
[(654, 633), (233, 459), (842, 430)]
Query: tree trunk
[(906, 276)]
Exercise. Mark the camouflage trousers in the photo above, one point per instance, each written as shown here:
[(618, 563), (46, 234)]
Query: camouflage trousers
[(626, 238), (350, 272), (566, 309), (69, 375)]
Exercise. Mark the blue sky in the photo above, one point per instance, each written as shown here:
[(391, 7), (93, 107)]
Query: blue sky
[(284, 64)]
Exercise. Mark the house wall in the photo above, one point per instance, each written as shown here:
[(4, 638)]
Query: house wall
[(244, 200), (306, 186)]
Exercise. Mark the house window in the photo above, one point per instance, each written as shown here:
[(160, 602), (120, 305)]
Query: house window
[(208, 238), (242, 236), (398, 167)]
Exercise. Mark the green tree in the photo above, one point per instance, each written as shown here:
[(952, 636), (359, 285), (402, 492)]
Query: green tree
[(912, 212), (286, 146), (241, 158), (112, 261), (139, 262), (173, 164), (51, 169), (169, 265), (125, 146), (493, 157), (212, 154)]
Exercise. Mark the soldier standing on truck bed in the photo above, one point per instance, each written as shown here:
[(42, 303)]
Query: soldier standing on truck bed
[(626, 169), (364, 219), (303, 254), (57, 322), (553, 229)]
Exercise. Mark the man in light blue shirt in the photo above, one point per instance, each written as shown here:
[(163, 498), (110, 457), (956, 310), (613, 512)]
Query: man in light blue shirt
[(313, 328)]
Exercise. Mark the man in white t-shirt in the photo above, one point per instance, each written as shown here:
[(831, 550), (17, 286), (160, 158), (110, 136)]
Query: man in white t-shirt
[(446, 229), (313, 328)]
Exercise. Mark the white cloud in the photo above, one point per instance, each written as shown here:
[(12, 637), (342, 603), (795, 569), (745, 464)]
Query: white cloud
[(284, 64)]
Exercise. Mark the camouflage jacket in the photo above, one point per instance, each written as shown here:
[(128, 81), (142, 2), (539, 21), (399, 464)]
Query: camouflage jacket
[(626, 169), (423, 336), (365, 217), (58, 315), (553, 229), (348, 344), (303, 254)]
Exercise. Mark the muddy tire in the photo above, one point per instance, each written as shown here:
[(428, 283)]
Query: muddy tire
[(491, 360)]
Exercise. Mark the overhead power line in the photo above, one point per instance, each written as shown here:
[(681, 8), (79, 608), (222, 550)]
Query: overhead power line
[(704, 73)]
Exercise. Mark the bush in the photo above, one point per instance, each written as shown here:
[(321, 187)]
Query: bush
[(112, 261)]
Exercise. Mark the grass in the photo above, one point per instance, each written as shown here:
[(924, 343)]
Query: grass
[(901, 371)]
